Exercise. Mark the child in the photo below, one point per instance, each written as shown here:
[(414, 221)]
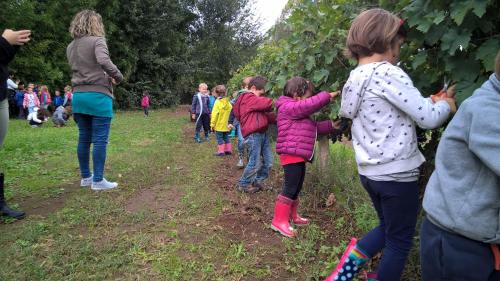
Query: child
[(200, 112), (61, 116), (68, 96), (19, 97), (58, 100), (219, 121), (385, 107), (45, 98), (297, 133), (254, 111), (236, 124), (145, 103), (38, 117), (211, 99), (30, 99), (460, 233)]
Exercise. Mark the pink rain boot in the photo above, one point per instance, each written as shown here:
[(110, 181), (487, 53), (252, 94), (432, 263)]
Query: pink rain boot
[(296, 218), (281, 217), (228, 150), (220, 150)]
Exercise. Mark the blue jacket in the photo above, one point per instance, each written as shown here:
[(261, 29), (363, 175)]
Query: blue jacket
[(196, 107), (211, 102), (19, 97), (58, 100), (463, 193)]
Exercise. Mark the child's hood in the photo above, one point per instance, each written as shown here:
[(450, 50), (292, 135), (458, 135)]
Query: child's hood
[(283, 100), (353, 91), (224, 103)]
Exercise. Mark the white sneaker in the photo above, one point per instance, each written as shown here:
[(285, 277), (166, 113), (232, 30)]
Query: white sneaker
[(103, 185), (86, 181)]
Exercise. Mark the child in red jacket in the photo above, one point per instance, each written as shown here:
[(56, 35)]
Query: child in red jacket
[(254, 111)]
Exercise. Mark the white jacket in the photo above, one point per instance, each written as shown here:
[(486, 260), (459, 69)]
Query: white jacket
[(384, 105)]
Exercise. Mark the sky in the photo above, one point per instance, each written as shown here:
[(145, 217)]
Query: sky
[(269, 11)]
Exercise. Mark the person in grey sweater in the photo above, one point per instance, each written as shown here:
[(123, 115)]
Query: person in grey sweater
[(462, 198), (93, 77)]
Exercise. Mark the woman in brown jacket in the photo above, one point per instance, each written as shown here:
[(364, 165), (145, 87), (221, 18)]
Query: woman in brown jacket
[(93, 77)]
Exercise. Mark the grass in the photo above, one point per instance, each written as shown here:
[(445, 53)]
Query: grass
[(169, 219)]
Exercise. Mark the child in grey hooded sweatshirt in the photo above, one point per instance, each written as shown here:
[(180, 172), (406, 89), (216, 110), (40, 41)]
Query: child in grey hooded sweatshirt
[(385, 108), (462, 198)]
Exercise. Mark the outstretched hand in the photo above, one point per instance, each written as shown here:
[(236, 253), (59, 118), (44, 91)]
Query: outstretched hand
[(333, 95), (19, 38)]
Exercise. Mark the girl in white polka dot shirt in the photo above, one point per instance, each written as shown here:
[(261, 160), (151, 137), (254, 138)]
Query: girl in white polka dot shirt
[(385, 109)]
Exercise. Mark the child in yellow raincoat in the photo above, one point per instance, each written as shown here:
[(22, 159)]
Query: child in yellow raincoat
[(219, 121)]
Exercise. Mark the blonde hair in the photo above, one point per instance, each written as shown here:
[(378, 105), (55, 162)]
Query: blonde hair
[(67, 88), (497, 65), (87, 23), (203, 85), (373, 31)]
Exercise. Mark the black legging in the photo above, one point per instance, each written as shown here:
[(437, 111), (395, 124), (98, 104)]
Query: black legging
[(294, 179)]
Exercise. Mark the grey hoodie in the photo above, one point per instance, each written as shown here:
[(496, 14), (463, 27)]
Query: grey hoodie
[(384, 110), (463, 193)]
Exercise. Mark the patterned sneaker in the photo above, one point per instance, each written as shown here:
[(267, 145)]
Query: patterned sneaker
[(84, 182), (103, 185)]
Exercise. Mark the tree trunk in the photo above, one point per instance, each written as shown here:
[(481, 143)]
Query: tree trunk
[(324, 160)]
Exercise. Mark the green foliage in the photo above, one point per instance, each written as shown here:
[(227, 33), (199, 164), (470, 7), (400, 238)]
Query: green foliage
[(456, 39), (164, 46)]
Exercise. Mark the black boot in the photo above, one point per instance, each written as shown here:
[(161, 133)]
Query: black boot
[(4, 209)]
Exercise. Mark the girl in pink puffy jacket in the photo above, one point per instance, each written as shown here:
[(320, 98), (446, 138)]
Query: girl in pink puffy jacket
[(297, 133)]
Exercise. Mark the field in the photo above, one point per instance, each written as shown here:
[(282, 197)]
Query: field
[(175, 216)]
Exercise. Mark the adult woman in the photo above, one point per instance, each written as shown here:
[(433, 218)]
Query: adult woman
[(93, 77), (9, 43)]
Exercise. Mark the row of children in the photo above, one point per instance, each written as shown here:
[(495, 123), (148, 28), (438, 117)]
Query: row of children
[(461, 226)]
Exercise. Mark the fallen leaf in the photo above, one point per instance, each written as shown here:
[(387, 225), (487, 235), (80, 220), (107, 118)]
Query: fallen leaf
[(331, 200)]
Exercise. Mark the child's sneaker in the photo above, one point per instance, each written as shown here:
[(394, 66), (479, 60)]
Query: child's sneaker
[(247, 189), (262, 186), (240, 164), (103, 185), (86, 181)]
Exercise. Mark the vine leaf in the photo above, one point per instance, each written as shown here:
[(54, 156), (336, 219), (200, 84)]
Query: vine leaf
[(453, 40), (486, 53)]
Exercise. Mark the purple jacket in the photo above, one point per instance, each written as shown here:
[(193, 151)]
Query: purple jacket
[(297, 131)]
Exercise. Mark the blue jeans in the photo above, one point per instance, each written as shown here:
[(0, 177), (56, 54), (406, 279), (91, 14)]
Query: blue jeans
[(397, 205), (260, 159), (449, 256), (222, 137), (92, 130), (241, 140)]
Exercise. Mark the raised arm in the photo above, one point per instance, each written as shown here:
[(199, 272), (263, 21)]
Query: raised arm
[(304, 108)]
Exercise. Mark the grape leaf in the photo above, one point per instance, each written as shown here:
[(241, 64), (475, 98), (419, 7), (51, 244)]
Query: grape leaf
[(487, 52), (453, 40)]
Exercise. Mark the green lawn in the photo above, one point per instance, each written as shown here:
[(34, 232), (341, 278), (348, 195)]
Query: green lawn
[(175, 215)]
